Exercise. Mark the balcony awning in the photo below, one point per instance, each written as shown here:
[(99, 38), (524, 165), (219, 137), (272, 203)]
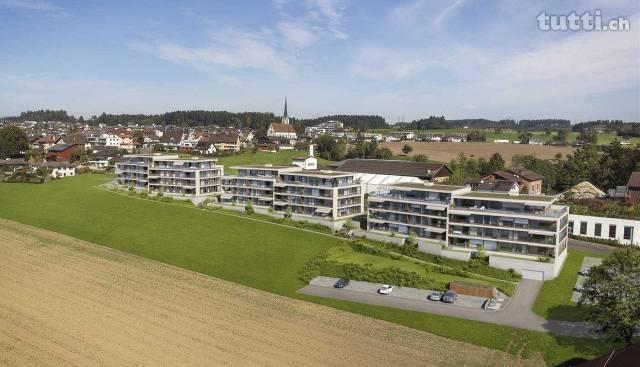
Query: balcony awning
[(323, 210)]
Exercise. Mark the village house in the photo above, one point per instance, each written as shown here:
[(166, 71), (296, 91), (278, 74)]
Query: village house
[(61, 152)]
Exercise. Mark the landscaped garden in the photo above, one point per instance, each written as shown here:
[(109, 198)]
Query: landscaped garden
[(244, 250)]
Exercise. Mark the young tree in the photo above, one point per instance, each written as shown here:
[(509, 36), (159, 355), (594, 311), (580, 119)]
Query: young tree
[(420, 158), (410, 244), (406, 149), (248, 208), (13, 142), (79, 155), (525, 137), (612, 294)]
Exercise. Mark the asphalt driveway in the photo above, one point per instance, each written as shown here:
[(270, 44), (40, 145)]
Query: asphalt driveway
[(516, 312)]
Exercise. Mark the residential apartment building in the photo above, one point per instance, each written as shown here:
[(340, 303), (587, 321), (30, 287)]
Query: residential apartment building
[(171, 175), (318, 193), (527, 226), (515, 230), (412, 207), (252, 183)]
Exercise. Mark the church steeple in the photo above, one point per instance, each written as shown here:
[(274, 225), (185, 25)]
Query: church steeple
[(285, 118)]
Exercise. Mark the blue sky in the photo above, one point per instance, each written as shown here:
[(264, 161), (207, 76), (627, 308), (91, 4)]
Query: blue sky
[(399, 59)]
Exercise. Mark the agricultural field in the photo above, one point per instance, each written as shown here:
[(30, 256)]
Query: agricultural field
[(246, 251), (65, 301), (283, 157), (554, 299), (603, 139), (445, 152)]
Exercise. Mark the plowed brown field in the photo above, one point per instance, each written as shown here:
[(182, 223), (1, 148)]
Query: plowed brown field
[(68, 302), (445, 152)]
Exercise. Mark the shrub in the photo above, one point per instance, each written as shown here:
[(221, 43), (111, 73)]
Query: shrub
[(410, 247), (248, 208)]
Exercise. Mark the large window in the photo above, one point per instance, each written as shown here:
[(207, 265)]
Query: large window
[(628, 233), (612, 231), (597, 231), (583, 228)]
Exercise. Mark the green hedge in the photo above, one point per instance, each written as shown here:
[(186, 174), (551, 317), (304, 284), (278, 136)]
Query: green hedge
[(477, 266)]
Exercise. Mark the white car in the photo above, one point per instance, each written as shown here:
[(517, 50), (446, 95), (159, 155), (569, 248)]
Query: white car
[(491, 304), (385, 289)]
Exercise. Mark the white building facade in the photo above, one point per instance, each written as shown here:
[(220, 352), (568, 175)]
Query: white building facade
[(625, 231)]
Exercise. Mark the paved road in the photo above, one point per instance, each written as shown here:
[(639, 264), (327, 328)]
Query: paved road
[(590, 246), (517, 312)]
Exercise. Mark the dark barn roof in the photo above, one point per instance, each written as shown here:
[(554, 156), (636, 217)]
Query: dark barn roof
[(396, 168)]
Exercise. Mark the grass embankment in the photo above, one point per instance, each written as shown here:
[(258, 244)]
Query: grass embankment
[(260, 255), (426, 276), (283, 158), (554, 299)]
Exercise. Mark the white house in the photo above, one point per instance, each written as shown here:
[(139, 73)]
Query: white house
[(625, 231), (58, 169)]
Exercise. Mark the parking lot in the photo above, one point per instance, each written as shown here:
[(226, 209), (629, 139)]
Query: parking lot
[(587, 263), (400, 293)]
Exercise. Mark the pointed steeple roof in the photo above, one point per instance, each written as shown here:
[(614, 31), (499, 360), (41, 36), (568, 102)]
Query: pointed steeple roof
[(285, 107)]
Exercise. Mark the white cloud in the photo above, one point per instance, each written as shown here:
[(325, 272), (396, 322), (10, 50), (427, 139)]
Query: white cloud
[(332, 11), (421, 13), (42, 5), (228, 50), (381, 63), (297, 34)]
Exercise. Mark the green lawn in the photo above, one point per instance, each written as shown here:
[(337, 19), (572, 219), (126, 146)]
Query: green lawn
[(259, 255), (554, 300), (282, 157)]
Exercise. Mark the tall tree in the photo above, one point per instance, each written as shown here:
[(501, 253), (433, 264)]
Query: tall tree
[(13, 142), (612, 295)]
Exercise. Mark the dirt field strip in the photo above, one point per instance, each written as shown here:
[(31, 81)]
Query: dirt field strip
[(445, 152), (68, 302)]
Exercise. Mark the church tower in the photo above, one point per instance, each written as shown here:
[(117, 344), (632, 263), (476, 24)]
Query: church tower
[(285, 118)]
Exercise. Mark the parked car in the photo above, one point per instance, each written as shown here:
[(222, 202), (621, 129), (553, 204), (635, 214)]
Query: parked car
[(586, 272), (341, 283), (435, 296), (491, 304), (449, 297), (385, 289)]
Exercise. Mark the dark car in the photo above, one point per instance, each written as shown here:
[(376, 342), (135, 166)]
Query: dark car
[(341, 283), (449, 297)]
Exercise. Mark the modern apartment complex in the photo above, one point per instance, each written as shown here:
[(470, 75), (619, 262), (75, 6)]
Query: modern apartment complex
[(411, 207), (252, 183), (516, 230), (319, 193), (171, 175), (312, 193)]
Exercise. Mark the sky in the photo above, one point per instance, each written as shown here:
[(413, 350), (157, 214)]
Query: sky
[(402, 60)]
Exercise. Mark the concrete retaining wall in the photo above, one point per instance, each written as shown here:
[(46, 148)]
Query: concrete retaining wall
[(457, 255), (527, 267)]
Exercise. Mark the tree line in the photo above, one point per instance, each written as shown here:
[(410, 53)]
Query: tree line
[(440, 122), (609, 126)]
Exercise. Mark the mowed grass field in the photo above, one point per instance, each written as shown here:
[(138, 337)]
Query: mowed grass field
[(554, 300), (283, 157), (445, 152), (255, 254)]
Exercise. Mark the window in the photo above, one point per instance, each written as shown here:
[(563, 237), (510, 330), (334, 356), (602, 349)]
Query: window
[(612, 231), (583, 228), (571, 226), (597, 231), (628, 233)]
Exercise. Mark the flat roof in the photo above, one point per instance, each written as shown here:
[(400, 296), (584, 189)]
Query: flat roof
[(506, 196), (261, 166), (426, 187), (320, 173)]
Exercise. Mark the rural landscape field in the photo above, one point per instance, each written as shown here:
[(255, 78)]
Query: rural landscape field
[(445, 152), (248, 252), (68, 302)]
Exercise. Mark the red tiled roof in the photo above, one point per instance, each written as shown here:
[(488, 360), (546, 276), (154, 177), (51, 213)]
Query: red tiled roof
[(283, 128)]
